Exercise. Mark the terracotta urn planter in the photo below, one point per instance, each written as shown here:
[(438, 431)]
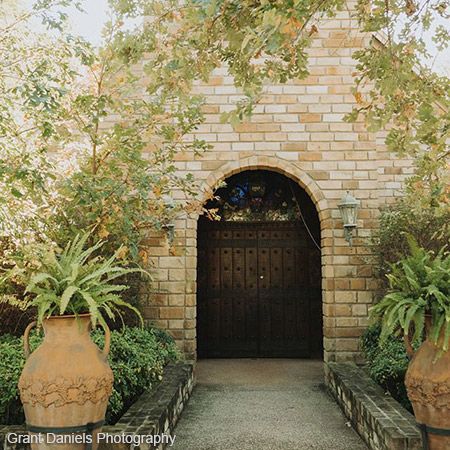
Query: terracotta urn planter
[(428, 385), (65, 383)]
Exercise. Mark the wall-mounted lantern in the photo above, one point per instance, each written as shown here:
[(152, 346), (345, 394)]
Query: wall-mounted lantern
[(348, 208)]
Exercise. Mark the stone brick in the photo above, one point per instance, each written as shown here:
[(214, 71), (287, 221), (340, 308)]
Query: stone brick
[(343, 332), (346, 322), (342, 284), (171, 313), (171, 262), (173, 287), (151, 312), (359, 310), (293, 146), (177, 274), (365, 296), (342, 310), (310, 117), (347, 344), (357, 284), (345, 297), (176, 299), (310, 156), (159, 300), (176, 324)]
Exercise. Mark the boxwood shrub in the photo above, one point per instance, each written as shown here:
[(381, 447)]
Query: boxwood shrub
[(387, 363), (137, 358)]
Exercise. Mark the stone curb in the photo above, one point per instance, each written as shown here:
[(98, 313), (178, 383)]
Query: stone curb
[(380, 420)]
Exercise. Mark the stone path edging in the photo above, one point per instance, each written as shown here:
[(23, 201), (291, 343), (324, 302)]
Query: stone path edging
[(379, 419)]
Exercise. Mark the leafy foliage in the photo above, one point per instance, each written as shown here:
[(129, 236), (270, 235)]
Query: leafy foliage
[(257, 41), (427, 222), (137, 358), (395, 89), (387, 363), (74, 281), (419, 285), (117, 141), (115, 172), (11, 364), (36, 71)]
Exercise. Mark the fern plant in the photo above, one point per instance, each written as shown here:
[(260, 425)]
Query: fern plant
[(419, 287), (74, 281)]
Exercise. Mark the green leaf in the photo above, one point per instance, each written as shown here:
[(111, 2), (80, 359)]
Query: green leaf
[(16, 193), (66, 296), (93, 307), (37, 279)]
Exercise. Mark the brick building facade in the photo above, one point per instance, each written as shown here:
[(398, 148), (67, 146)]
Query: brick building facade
[(296, 130)]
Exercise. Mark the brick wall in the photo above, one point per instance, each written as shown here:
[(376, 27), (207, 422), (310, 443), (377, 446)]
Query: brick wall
[(297, 129)]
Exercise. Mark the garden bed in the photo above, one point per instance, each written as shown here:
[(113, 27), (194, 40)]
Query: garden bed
[(380, 420), (155, 412)]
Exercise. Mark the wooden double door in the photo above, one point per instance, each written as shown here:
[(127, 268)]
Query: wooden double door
[(259, 291)]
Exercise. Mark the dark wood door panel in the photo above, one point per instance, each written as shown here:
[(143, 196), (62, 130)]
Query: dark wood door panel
[(258, 294)]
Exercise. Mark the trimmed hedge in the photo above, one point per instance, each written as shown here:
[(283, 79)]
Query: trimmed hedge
[(387, 363), (137, 358)]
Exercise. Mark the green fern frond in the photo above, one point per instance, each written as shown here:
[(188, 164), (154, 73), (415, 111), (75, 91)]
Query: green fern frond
[(419, 285), (76, 281)]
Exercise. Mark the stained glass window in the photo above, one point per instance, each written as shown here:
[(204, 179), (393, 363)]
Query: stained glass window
[(257, 196)]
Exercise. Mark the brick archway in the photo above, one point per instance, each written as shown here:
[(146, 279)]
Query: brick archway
[(276, 165), (295, 173)]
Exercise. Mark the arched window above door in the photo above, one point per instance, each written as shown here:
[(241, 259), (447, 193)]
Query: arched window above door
[(255, 196)]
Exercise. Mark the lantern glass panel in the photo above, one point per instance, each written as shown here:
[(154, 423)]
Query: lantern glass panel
[(345, 214), (350, 215)]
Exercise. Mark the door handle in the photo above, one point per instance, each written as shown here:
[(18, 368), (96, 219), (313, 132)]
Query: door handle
[(261, 276)]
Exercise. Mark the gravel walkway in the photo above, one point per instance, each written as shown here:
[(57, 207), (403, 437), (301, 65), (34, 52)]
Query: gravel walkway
[(263, 404)]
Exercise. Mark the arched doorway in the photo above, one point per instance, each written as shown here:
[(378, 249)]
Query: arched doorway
[(259, 270)]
